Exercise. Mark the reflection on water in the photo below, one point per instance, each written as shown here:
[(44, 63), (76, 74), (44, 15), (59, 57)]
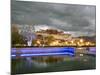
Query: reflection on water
[(44, 64)]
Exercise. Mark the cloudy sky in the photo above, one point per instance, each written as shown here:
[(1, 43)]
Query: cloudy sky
[(75, 19)]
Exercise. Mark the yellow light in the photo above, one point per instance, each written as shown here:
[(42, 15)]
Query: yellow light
[(54, 43), (79, 44), (66, 43), (72, 41), (81, 40), (87, 43), (38, 42)]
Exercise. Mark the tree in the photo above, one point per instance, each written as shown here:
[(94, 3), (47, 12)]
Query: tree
[(16, 38)]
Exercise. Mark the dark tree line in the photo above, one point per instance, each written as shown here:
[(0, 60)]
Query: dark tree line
[(16, 38)]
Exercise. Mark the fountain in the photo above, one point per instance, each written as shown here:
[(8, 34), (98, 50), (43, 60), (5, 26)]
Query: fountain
[(29, 43), (28, 34)]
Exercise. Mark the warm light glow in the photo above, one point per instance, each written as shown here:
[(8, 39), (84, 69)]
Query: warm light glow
[(72, 41), (66, 43), (87, 43), (38, 42), (54, 43), (81, 40)]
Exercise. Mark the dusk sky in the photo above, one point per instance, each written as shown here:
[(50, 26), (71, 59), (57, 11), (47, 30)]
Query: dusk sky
[(76, 19)]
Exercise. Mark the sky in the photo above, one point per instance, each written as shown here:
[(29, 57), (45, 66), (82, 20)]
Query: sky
[(75, 19)]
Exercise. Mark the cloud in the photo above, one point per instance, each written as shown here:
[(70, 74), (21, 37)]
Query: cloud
[(67, 17)]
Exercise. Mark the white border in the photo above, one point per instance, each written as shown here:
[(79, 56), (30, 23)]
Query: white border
[(5, 37)]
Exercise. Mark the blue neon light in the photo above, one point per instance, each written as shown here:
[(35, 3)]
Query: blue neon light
[(44, 54), (47, 54), (43, 51), (25, 50)]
